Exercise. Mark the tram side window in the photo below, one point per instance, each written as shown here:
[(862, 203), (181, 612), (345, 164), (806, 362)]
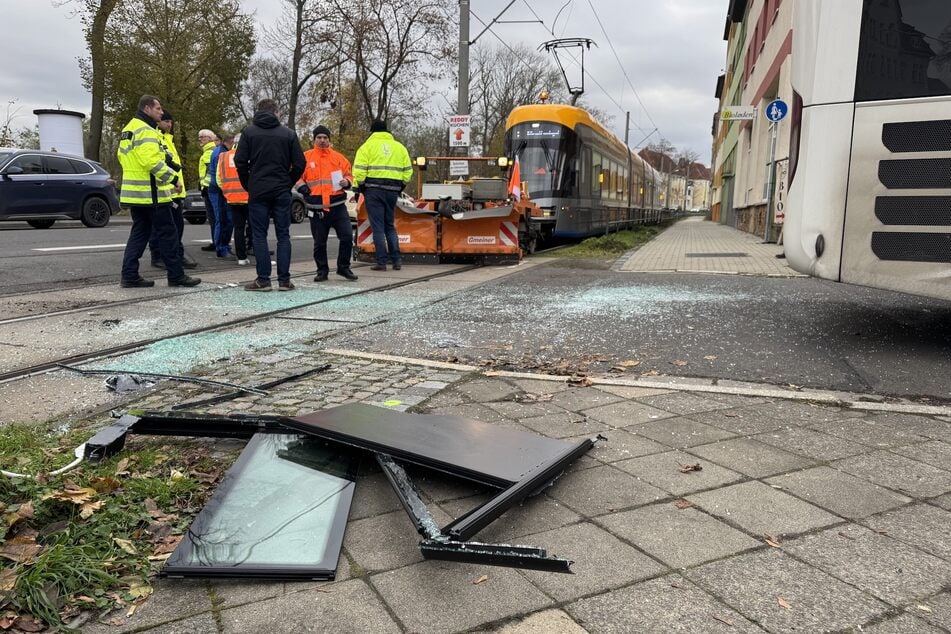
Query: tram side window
[(903, 50), (596, 174), (584, 184)]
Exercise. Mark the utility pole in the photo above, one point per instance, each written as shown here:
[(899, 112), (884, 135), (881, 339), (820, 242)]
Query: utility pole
[(630, 170), (463, 103)]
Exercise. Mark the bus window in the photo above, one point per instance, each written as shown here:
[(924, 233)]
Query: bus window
[(904, 50)]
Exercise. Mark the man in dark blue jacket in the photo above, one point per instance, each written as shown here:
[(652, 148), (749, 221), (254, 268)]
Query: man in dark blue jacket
[(225, 224), (269, 161)]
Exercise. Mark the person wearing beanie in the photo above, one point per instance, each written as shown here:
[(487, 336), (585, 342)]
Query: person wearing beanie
[(381, 171), (173, 160), (326, 176)]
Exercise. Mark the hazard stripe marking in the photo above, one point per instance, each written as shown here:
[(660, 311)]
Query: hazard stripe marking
[(508, 233)]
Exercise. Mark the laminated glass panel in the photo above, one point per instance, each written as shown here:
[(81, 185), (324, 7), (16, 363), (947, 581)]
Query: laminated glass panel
[(279, 512)]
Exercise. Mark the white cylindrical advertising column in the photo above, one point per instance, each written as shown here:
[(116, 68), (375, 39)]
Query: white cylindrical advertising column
[(61, 131)]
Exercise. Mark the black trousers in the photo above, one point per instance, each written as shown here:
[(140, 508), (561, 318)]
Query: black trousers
[(144, 218), (339, 220), (243, 241), (178, 207)]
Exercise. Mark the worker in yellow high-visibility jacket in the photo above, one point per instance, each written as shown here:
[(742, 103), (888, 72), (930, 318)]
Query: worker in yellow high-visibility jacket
[(208, 141), (148, 185), (381, 170)]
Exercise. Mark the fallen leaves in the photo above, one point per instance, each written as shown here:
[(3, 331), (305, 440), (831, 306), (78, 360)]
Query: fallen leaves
[(687, 468), (80, 496), (29, 624), (21, 549), (125, 545), (580, 380), (683, 504), (16, 515), (783, 603), (8, 579), (771, 540), (679, 363), (481, 579)]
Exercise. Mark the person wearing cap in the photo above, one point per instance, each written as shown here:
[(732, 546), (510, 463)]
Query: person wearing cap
[(326, 176), (208, 140), (148, 183), (381, 170), (178, 197)]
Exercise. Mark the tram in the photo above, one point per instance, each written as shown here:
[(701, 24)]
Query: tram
[(584, 180)]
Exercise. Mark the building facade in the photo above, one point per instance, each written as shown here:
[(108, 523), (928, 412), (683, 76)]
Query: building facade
[(751, 157)]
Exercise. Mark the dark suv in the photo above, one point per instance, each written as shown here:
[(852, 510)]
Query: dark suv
[(43, 187)]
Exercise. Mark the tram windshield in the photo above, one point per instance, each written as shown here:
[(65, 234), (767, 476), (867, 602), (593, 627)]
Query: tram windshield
[(546, 153)]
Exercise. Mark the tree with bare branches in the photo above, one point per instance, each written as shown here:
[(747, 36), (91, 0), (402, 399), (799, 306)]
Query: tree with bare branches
[(393, 45)]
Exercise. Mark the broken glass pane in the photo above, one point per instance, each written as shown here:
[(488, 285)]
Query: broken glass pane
[(279, 512)]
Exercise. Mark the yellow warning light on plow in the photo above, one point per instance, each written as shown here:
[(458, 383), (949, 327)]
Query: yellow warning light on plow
[(503, 162), (421, 162)]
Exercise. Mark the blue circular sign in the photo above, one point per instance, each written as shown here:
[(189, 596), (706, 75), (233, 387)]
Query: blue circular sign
[(777, 110)]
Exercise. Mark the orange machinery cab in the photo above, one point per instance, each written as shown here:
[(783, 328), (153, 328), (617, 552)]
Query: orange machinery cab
[(416, 226)]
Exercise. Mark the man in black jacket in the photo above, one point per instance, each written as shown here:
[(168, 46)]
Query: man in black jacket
[(269, 161)]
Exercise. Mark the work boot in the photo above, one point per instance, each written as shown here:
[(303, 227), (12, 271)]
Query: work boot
[(397, 266), (347, 273), (185, 281), (139, 283), (188, 261), (321, 276), (209, 247), (286, 285), (258, 285), (378, 267)]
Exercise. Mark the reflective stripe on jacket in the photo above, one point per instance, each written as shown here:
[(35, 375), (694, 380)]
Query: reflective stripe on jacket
[(204, 176), (228, 179), (146, 178), (382, 162), (320, 164), (169, 142)]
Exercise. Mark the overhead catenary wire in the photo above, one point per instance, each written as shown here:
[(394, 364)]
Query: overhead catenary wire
[(607, 94), (620, 65)]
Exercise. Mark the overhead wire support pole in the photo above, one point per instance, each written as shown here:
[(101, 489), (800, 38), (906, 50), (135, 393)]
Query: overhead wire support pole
[(487, 26), (462, 104)]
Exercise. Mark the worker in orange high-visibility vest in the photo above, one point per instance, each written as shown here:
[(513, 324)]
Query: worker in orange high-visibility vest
[(237, 199), (326, 176)]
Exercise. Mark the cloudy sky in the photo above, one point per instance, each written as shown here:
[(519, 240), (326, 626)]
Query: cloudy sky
[(670, 51)]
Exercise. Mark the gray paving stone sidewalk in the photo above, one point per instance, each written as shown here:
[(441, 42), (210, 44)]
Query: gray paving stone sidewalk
[(700, 246), (801, 517)]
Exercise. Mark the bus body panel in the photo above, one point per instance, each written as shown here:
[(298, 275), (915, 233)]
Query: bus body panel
[(818, 192), (860, 263), (825, 37), (871, 169)]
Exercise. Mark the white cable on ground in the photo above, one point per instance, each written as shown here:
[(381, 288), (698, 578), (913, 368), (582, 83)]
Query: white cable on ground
[(79, 452)]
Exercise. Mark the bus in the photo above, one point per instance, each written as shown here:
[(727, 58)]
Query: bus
[(869, 199)]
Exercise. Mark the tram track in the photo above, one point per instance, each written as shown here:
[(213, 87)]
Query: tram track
[(47, 366)]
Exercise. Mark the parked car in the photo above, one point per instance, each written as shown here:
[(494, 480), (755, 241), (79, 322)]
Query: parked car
[(43, 187), (194, 211), (195, 207)]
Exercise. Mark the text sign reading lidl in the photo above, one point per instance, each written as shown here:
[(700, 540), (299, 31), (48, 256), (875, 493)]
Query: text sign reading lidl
[(738, 113), (776, 110)]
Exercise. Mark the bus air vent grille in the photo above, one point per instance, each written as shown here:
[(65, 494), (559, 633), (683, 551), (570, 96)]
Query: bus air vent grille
[(915, 173), (931, 211), (918, 136), (912, 247)]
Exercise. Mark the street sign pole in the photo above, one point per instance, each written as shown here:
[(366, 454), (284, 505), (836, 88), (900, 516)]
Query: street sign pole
[(770, 177), (775, 112)]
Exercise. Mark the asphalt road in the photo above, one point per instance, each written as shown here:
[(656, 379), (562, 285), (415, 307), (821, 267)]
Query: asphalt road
[(804, 332), (69, 255)]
